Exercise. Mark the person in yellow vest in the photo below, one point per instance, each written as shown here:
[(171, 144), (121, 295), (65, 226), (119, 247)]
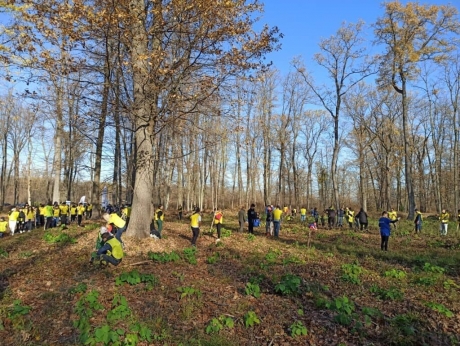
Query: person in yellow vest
[(444, 218), (73, 213), (64, 213), (218, 220), (418, 221), (13, 220), (56, 214), (112, 250), (393, 215), (126, 213), (48, 215), (117, 223), (195, 222), (277, 216), (350, 217), (89, 211), (303, 215), (80, 211), (159, 218), (30, 217), (41, 211), (3, 226)]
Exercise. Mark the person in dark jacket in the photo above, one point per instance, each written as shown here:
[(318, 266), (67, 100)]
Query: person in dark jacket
[(269, 220), (385, 230), (362, 218), (252, 215)]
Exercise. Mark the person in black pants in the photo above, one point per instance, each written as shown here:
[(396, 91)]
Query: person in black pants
[(252, 215), (385, 230)]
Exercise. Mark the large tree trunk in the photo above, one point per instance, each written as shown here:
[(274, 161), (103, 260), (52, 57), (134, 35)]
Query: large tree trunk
[(96, 185), (407, 154), (139, 225), (57, 144)]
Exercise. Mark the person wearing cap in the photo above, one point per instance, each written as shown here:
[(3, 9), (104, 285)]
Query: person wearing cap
[(118, 224), (195, 222), (99, 242), (112, 250), (418, 221), (444, 218)]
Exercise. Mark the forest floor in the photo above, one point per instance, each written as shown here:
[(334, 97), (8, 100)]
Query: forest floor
[(245, 290)]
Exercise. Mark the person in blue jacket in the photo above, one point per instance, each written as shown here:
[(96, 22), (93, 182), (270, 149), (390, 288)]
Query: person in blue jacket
[(385, 230)]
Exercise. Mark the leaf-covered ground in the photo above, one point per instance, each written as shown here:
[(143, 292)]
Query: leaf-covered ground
[(342, 290)]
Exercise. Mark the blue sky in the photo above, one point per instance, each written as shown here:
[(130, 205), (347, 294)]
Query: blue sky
[(305, 22)]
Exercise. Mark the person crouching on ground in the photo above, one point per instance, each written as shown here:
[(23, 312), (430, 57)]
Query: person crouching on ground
[(385, 230), (112, 251)]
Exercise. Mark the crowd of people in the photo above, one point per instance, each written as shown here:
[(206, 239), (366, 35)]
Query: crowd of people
[(109, 245), (24, 218)]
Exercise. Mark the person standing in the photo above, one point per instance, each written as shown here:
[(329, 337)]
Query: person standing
[(418, 221), (80, 211), (56, 214), (315, 214), (362, 218), (444, 218), (13, 217), (73, 213), (218, 220), (269, 222), (252, 216), (179, 211), (195, 222), (89, 211), (48, 214), (393, 215), (277, 215), (340, 215), (303, 215), (385, 230), (159, 218), (350, 215), (64, 213), (3, 226), (331, 217), (30, 216), (241, 219)]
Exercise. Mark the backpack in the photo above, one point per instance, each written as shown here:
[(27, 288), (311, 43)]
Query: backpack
[(218, 216)]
